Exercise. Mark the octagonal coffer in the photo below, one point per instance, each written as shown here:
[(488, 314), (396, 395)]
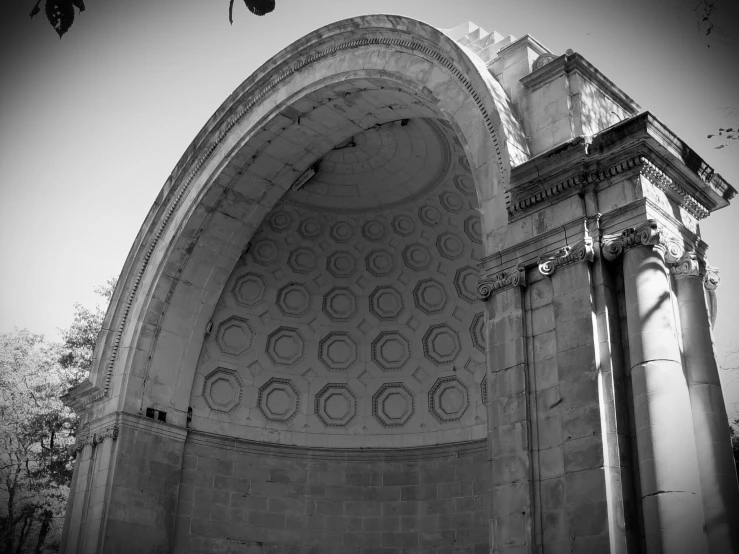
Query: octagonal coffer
[(441, 344), (337, 350), (248, 290), (302, 260), (234, 335), (342, 232), (477, 331), (450, 246), (293, 299), (341, 264), (310, 228), (265, 252), (403, 225), (417, 257), (386, 303), (465, 283), (335, 405), (473, 228), (373, 231), (448, 399), (430, 296), (392, 405), (429, 215), (223, 389), (390, 350), (340, 304), (451, 201), (280, 221), (278, 399), (379, 263), (464, 184), (285, 346)]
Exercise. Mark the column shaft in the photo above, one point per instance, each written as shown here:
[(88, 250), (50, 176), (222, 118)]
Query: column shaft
[(715, 458), (668, 467)]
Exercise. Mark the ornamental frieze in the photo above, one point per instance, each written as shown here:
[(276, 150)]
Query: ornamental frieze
[(503, 280), (649, 233), (582, 251)]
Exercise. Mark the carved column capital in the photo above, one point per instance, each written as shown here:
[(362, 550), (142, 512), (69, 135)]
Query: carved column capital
[(94, 439), (581, 251), (711, 279), (503, 280), (649, 233), (693, 265), (690, 265)]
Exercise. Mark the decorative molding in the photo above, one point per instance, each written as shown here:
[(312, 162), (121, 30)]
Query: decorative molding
[(666, 184), (581, 251), (649, 233), (528, 198), (501, 281), (93, 439)]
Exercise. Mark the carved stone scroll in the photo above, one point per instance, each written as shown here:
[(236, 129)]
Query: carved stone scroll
[(96, 438), (582, 251), (502, 280), (649, 233)]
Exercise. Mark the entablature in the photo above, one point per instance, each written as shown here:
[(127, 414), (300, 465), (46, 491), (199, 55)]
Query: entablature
[(641, 145)]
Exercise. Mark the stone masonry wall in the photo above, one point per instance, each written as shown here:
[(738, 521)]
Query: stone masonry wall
[(239, 496)]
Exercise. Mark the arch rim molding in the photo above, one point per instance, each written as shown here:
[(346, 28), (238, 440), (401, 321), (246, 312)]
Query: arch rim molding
[(147, 289)]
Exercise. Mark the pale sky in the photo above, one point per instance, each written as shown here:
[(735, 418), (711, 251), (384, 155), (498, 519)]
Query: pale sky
[(91, 125)]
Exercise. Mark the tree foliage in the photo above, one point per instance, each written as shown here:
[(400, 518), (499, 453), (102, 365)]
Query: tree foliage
[(61, 13), (37, 432)]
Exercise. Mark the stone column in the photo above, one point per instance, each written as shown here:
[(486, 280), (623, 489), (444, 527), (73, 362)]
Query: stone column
[(715, 458), (668, 465)]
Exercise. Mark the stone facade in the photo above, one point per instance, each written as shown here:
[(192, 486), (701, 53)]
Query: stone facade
[(413, 290)]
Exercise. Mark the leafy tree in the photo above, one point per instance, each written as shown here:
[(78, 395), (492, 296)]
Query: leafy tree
[(37, 432), (80, 337)]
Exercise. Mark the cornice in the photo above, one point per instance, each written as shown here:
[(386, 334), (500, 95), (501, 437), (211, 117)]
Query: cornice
[(641, 142), (572, 62)]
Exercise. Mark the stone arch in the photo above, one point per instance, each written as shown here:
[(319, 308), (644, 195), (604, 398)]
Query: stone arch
[(241, 164)]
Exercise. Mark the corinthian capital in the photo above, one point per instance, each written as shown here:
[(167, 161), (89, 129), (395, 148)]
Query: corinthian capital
[(502, 280), (649, 233), (581, 251)]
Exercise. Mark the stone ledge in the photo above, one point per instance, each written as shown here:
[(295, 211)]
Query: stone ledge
[(456, 450)]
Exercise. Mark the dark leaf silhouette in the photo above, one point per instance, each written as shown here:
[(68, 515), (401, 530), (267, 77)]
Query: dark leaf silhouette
[(257, 7), (60, 13)]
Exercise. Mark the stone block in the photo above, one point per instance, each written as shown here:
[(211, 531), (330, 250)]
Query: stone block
[(583, 453), (581, 422)]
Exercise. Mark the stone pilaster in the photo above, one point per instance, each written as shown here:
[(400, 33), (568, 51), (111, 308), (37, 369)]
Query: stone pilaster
[(509, 435), (715, 458), (668, 463)]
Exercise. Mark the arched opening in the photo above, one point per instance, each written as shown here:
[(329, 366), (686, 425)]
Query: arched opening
[(307, 279)]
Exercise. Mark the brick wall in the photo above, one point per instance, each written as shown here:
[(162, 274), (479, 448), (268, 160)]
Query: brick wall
[(238, 496)]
